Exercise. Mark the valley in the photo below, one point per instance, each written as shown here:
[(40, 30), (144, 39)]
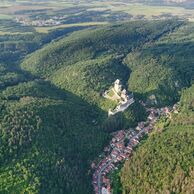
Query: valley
[(121, 147), (103, 78)]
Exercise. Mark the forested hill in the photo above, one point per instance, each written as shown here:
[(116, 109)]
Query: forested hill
[(165, 162), (163, 67), (51, 132), (96, 56), (53, 118), (91, 44)]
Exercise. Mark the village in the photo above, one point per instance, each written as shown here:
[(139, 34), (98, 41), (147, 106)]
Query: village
[(121, 147), (24, 21)]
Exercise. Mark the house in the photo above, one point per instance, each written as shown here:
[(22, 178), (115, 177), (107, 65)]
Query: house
[(113, 140), (119, 158), (138, 128), (129, 147), (141, 124), (104, 190), (114, 153), (119, 145), (109, 188), (127, 150), (93, 165), (120, 135)]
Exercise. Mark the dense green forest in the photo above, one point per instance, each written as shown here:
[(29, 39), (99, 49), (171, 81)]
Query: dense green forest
[(96, 56), (53, 118), (163, 67), (48, 136), (51, 132), (164, 162)]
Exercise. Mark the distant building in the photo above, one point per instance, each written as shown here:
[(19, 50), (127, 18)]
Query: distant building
[(138, 128)]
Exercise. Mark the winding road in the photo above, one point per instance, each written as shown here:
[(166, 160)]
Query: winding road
[(133, 137), (100, 175)]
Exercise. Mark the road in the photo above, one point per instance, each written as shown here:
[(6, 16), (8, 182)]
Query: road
[(100, 175), (138, 136), (108, 163)]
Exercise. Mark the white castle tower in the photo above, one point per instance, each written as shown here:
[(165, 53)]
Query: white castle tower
[(117, 86)]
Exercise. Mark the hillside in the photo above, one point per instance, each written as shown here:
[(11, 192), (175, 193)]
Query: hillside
[(163, 67), (53, 117), (94, 50), (164, 163), (44, 134), (160, 67), (50, 135)]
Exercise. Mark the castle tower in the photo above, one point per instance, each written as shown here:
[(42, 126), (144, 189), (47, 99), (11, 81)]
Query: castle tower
[(117, 86), (124, 95)]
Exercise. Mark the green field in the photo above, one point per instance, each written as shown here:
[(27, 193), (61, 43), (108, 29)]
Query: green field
[(88, 13), (4, 16)]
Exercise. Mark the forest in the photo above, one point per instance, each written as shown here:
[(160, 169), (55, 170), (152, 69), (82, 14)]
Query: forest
[(164, 162), (53, 118)]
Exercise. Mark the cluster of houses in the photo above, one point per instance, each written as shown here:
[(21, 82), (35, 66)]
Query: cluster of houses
[(101, 183), (38, 22), (116, 152), (120, 151), (119, 95), (121, 147)]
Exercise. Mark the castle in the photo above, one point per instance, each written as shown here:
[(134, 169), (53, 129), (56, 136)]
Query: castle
[(120, 95)]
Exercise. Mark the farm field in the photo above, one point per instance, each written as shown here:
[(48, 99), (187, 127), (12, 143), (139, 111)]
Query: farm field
[(44, 17)]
